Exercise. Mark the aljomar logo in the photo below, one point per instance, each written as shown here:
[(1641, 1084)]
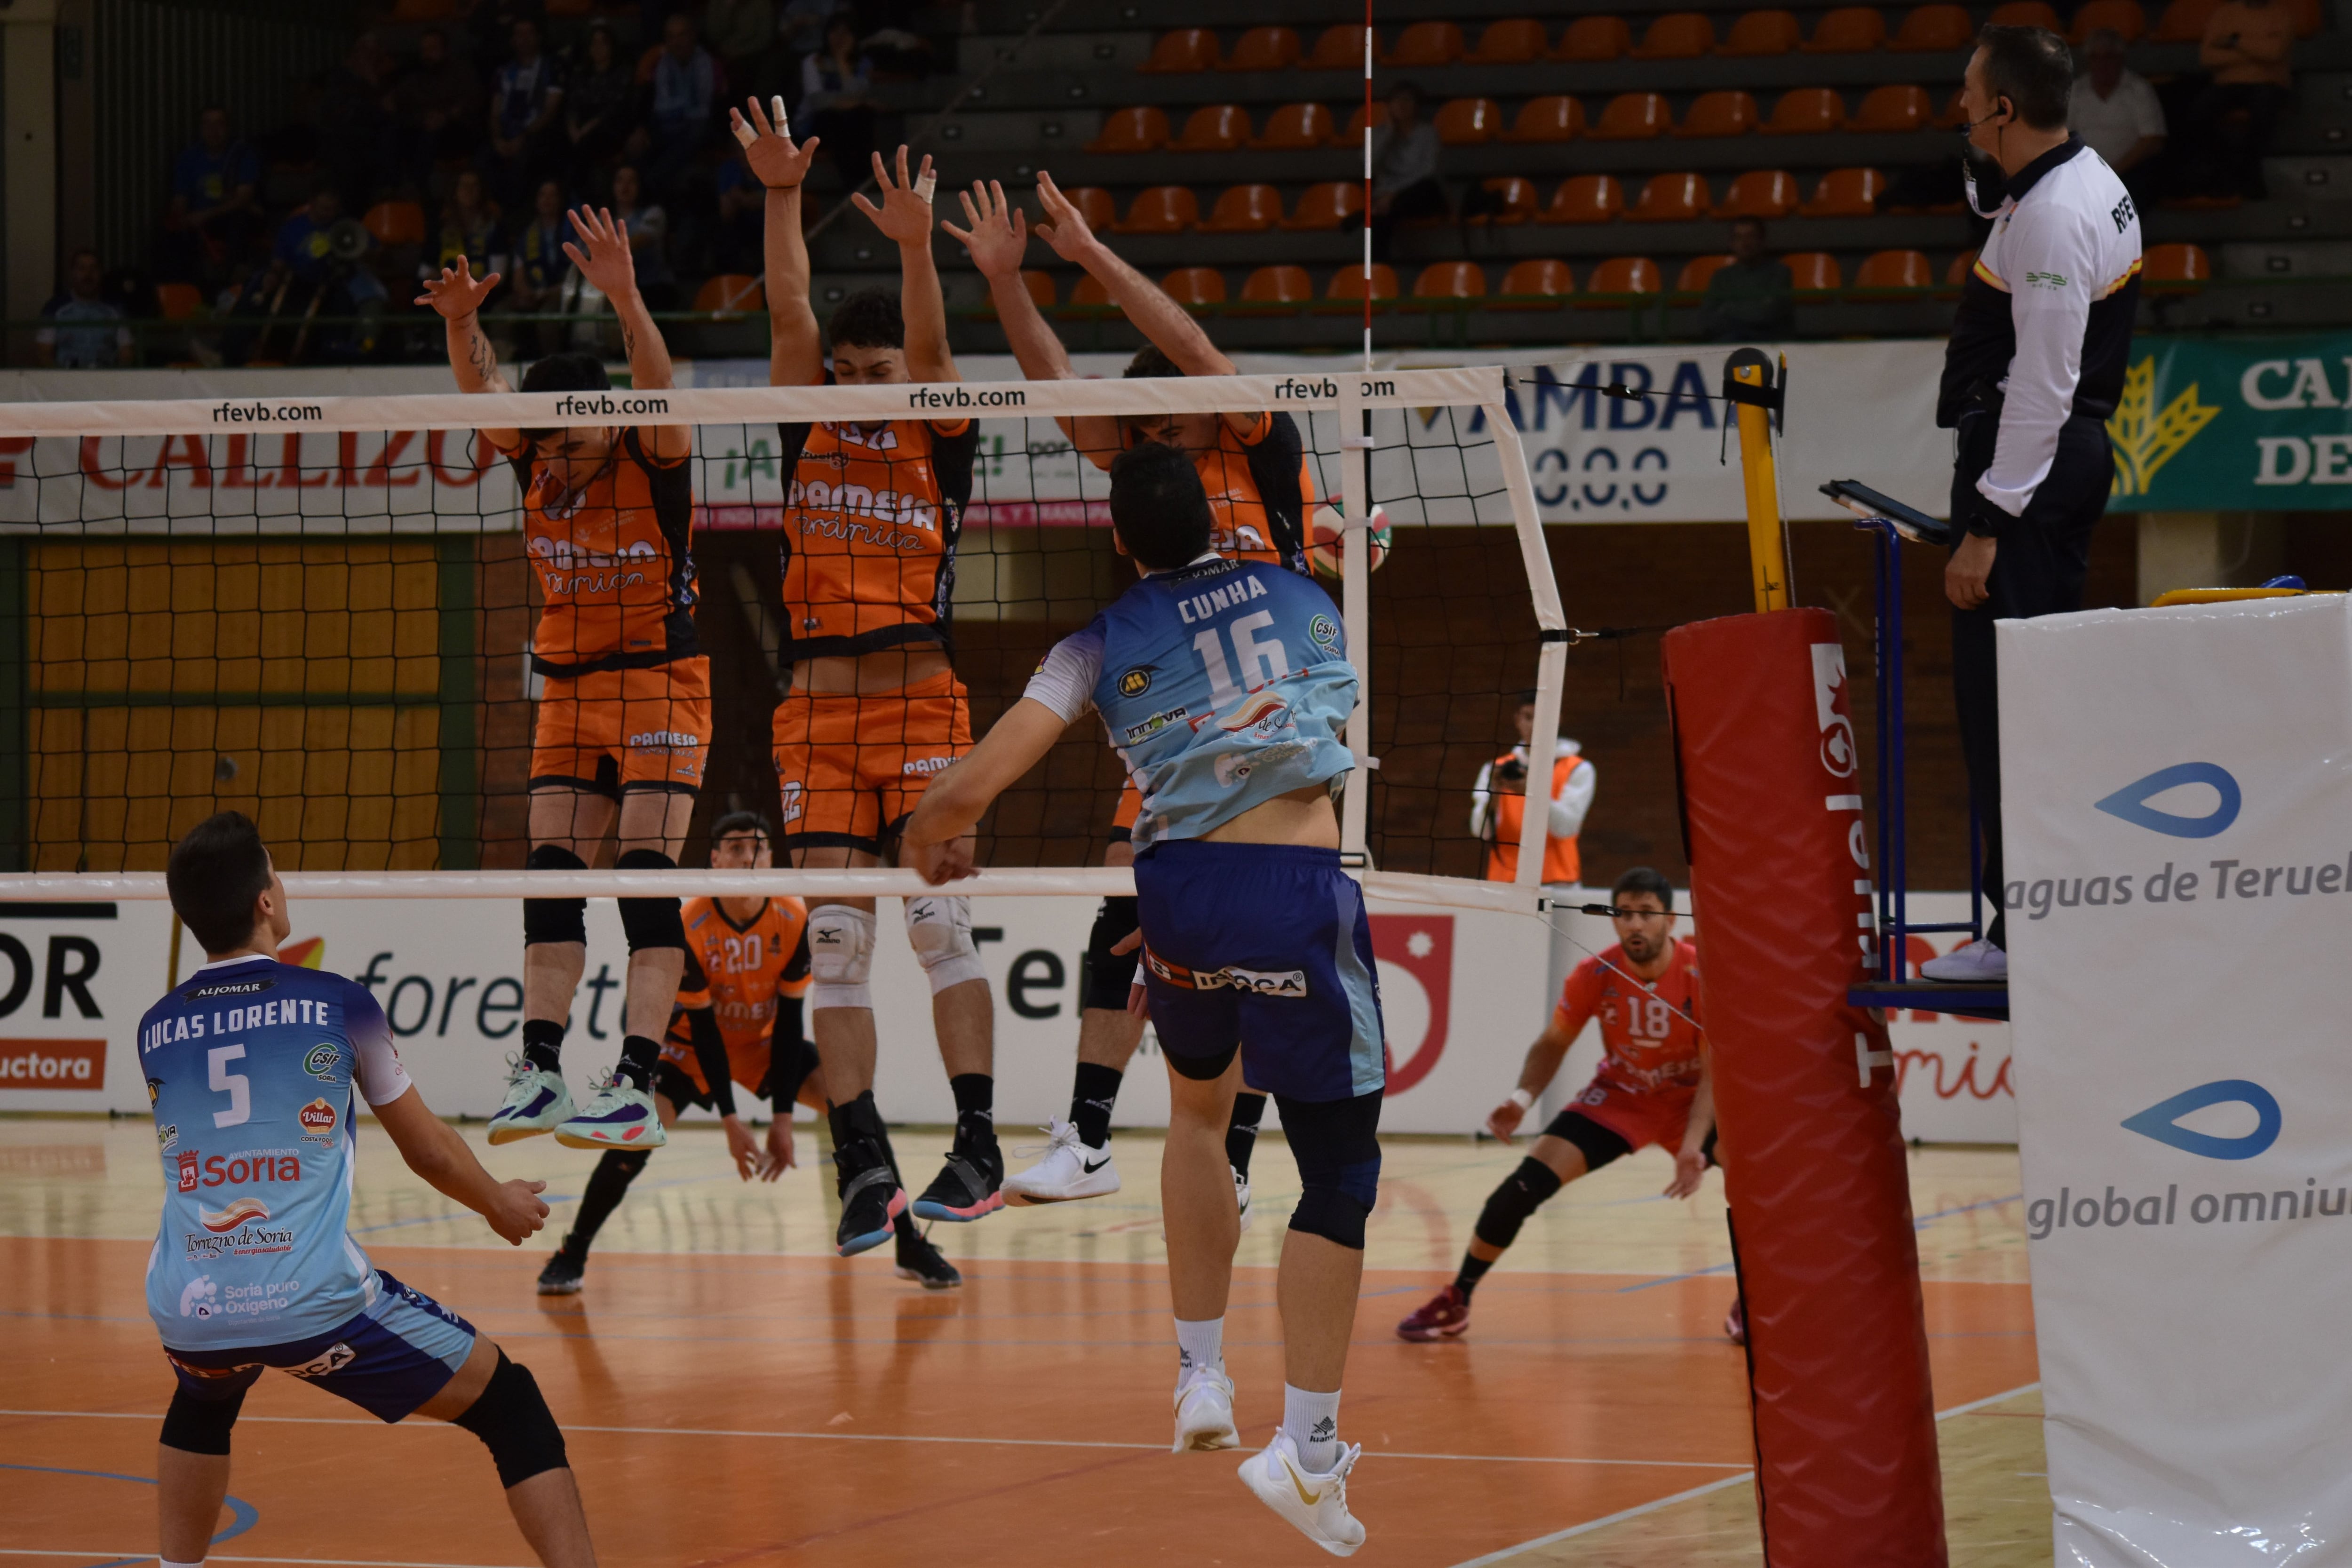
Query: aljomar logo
[(2145, 439)]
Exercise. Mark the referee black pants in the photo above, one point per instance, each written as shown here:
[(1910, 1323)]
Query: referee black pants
[(2038, 570)]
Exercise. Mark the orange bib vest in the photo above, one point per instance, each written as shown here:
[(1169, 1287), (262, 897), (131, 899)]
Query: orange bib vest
[(1560, 861)]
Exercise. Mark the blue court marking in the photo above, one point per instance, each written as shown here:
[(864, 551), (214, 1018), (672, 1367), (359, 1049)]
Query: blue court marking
[(243, 1515), (1921, 1222)]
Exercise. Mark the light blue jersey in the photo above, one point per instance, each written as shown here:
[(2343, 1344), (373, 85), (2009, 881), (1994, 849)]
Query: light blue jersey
[(250, 1065), (1221, 686)]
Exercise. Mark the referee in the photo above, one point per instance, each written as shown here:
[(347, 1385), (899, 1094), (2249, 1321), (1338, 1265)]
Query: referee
[(2034, 367)]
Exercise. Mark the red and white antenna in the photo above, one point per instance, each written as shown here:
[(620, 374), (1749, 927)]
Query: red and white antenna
[(1368, 184)]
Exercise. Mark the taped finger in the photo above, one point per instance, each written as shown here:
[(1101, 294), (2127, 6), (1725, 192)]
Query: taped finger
[(744, 133), (776, 113), (925, 186)]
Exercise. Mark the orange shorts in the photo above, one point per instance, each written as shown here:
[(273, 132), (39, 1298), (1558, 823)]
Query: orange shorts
[(1130, 806), (850, 768), (1639, 1118), (624, 729)]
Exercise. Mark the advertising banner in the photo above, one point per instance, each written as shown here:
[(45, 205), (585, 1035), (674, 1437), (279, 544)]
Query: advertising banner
[(2180, 915), (73, 980), (2235, 424)]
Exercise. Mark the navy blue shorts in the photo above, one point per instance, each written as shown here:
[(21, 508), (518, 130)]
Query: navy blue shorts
[(1267, 947), (392, 1358)]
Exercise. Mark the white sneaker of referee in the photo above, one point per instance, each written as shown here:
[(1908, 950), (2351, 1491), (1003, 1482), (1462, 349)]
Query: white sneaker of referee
[(1976, 964)]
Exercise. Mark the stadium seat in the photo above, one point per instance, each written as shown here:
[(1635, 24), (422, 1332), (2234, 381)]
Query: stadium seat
[(1346, 295), (2308, 18), (1264, 49), (1617, 278), (730, 293), (1953, 116), (1327, 206), (1816, 273), (1935, 29), (1848, 30), (1514, 41), (1353, 137), (1089, 297), (179, 301), (1426, 43), (1294, 128), (1632, 117), (1676, 35), (1806, 111), (396, 222), (1696, 273), (1442, 281), (1275, 291), (1468, 121), (1195, 288), (2124, 16), (1517, 196), (1759, 193), (1891, 272), (2175, 269), (1956, 275), (1183, 52), (1719, 114), (1845, 192), (1592, 38), (1760, 33), (1893, 107), (1338, 48), (1554, 117), (1585, 198), (1535, 285), (1671, 198), (2026, 13), (1213, 128), (1244, 209), (1131, 131), (1160, 209), (2183, 21), (1040, 286)]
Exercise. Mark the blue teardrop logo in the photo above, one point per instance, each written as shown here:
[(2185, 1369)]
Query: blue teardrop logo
[(2131, 803), (2162, 1120)]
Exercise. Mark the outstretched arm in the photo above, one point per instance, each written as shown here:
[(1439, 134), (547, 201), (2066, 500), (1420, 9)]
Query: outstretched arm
[(604, 258), (905, 217), (795, 351), (435, 1151), (1690, 1160), (456, 296), (998, 239), (937, 840), (1535, 1076)]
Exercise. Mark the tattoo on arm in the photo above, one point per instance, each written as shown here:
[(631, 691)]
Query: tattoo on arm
[(483, 357), (628, 342)]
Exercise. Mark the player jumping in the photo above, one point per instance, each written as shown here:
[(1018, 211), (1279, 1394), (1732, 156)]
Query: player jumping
[(1653, 1086), (624, 724), (251, 1065), (1223, 685)]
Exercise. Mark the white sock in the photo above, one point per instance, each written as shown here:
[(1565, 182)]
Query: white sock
[(1312, 1420), (167, 1563), (1200, 1344)]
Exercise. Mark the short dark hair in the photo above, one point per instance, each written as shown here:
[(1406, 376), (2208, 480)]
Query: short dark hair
[(1152, 361), (217, 870), (1411, 90), (740, 822), (563, 373), (870, 319), (1158, 507), (1643, 880), (2032, 68)]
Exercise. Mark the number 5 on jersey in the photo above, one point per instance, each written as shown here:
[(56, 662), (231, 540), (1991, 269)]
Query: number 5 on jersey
[(234, 1084)]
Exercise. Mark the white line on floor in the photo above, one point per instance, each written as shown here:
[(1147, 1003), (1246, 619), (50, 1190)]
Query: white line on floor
[(1989, 1399)]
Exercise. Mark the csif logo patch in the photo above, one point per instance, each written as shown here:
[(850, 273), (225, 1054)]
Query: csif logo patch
[(2162, 1120), (2131, 803)]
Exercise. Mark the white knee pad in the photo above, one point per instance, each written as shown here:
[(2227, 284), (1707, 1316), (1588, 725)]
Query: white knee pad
[(940, 931), (841, 957)]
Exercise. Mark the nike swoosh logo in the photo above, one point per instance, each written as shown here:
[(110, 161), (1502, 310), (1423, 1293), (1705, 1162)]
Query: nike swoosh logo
[(1097, 1165), (1309, 1498)]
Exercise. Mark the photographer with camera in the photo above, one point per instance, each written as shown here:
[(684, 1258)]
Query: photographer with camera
[(1499, 797)]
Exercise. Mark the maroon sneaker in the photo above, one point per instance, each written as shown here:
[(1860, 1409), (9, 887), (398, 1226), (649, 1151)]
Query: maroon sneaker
[(1442, 1316), (1735, 1322)]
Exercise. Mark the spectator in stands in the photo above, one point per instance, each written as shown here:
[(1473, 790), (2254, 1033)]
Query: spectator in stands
[(1753, 297), (356, 144), (215, 210), (742, 201), (833, 105), (1405, 168), (686, 88), (80, 338), (526, 97), (1498, 804), (648, 229), (800, 25), (600, 96), (738, 32), (436, 109), (325, 254), (2114, 109), (541, 270), (470, 228), (2246, 47)]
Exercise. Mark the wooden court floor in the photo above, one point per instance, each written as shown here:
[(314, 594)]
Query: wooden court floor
[(734, 1395)]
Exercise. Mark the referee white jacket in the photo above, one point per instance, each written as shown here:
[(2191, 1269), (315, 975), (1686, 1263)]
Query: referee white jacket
[(2045, 320)]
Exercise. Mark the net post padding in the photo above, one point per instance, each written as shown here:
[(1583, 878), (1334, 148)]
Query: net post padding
[(1805, 1095)]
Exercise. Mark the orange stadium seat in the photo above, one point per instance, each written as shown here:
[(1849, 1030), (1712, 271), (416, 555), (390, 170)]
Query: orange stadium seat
[(1554, 117), (1089, 297), (2183, 21), (1194, 286), (1294, 128), (1618, 278), (1585, 198), (2124, 16), (1517, 196), (1539, 284), (1160, 209), (395, 223), (1327, 206), (1183, 52), (1671, 198), (1760, 33), (1213, 128), (1264, 49), (1095, 206), (1244, 209), (1953, 116), (2026, 13), (1041, 288), (1845, 192), (1468, 121), (1447, 281), (2175, 269), (1848, 30), (1339, 48), (1935, 29), (1275, 291), (1956, 275), (1593, 39), (1806, 111), (1696, 271), (1719, 114), (1893, 107), (1426, 43), (1513, 41), (179, 301), (1895, 272), (1632, 117), (730, 294), (1676, 35), (2308, 18), (1132, 131), (1759, 193), (1346, 295), (1816, 272), (1353, 137)]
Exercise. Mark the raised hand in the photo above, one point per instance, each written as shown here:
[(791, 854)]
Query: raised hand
[(999, 236), (1063, 227), (780, 162), (606, 260), (457, 293), (905, 215)]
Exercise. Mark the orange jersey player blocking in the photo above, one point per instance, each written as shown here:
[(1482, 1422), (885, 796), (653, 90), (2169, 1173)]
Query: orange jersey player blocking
[(737, 1022), (1653, 1086), (624, 723), (871, 525)]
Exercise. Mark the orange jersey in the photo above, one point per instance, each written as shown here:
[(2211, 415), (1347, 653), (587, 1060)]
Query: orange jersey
[(1260, 490), (614, 561), (870, 531), (1561, 861), (738, 972), (1649, 1031)]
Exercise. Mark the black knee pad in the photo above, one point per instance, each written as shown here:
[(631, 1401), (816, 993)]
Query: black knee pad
[(200, 1426), (1508, 1206), (650, 922), (513, 1422), (1110, 974), (1338, 1147), (554, 919)]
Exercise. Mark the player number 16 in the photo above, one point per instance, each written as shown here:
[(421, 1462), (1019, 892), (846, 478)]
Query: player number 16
[(1262, 663)]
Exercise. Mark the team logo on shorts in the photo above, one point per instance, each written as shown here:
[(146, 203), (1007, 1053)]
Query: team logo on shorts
[(339, 1357), (320, 1062), (1324, 630), (1135, 682), (792, 802)]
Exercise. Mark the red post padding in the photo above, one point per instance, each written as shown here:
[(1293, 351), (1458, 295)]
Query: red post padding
[(1804, 1093)]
